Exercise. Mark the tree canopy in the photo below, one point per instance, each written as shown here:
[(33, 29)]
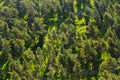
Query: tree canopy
[(59, 39)]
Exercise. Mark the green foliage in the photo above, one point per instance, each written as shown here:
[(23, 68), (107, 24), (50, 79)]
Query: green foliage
[(59, 40)]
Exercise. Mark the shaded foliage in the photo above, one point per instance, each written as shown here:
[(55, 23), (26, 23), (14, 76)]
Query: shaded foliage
[(59, 39)]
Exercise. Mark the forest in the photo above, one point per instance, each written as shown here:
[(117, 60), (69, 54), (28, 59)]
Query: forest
[(59, 39)]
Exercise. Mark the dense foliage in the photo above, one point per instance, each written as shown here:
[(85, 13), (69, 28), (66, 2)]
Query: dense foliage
[(59, 39)]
